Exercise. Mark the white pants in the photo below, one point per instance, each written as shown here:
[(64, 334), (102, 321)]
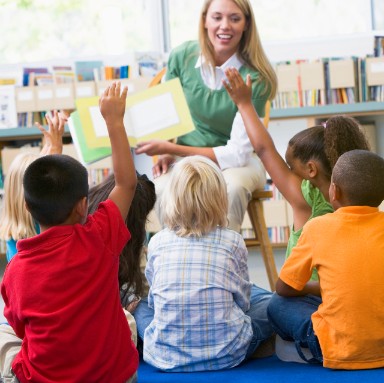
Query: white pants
[(241, 183)]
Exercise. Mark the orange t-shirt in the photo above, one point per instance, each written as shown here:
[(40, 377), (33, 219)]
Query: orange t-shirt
[(347, 249)]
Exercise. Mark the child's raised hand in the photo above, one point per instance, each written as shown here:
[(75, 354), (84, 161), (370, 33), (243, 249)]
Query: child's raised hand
[(53, 137), (112, 103), (239, 91)]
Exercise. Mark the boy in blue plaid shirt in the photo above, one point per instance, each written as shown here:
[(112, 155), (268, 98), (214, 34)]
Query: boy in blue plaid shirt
[(202, 311)]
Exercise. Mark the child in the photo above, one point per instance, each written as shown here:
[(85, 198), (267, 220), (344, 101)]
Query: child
[(49, 288), (131, 279), (207, 314), (16, 222), (132, 282), (344, 329), (311, 154)]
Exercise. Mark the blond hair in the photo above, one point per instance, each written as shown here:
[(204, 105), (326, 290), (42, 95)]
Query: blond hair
[(250, 48), (195, 200), (15, 220)]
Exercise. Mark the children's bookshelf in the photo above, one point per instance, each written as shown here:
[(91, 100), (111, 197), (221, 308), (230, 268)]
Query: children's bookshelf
[(309, 91)]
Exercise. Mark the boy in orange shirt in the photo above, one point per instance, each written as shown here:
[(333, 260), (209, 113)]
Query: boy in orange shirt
[(343, 328)]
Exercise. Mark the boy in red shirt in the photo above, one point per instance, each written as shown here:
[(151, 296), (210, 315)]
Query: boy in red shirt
[(61, 290)]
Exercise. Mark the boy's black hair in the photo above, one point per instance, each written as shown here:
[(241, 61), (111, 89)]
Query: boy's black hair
[(53, 184), (359, 174)]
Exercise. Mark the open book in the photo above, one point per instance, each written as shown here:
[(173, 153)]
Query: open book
[(158, 112)]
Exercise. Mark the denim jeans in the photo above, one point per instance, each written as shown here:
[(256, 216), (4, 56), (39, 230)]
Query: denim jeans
[(261, 327), (290, 317)]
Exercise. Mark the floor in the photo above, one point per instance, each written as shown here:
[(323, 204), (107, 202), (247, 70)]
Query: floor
[(257, 271)]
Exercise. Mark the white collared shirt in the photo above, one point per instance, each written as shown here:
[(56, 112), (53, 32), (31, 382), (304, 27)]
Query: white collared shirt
[(238, 150)]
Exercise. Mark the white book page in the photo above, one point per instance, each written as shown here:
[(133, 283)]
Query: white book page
[(98, 122), (151, 115), (142, 119)]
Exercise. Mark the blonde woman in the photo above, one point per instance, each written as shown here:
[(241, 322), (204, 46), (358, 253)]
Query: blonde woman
[(15, 221), (202, 312), (228, 37)]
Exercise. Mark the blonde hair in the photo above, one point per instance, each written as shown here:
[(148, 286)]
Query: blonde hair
[(195, 199), (250, 48), (15, 221)]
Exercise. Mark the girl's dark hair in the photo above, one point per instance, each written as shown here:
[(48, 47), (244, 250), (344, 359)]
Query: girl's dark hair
[(142, 203), (327, 143)]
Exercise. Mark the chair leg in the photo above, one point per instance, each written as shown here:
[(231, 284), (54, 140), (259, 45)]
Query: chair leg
[(256, 215)]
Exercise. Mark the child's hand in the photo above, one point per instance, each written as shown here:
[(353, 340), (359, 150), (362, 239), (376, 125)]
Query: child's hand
[(112, 103), (239, 91), (53, 137), (164, 162)]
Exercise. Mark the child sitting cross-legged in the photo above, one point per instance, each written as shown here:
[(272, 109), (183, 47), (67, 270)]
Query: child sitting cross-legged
[(344, 328), (61, 289), (203, 313)]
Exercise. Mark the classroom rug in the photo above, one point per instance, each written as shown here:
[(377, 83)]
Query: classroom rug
[(265, 370)]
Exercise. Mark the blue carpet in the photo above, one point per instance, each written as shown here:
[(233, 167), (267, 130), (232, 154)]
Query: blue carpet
[(268, 370)]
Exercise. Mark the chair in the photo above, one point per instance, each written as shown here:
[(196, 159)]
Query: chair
[(256, 217), (255, 211)]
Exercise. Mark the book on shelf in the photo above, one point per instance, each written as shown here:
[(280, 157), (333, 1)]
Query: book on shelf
[(85, 70), (342, 80), (63, 74), (157, 112), (149, 63), (300, 83), (7, 81), (114, 72), (29, 74), (378, 46), (278, 218), (8, 114), (374, 71)]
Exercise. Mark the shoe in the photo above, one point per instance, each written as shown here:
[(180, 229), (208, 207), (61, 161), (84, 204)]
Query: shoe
[(287, 352), (266, 348)]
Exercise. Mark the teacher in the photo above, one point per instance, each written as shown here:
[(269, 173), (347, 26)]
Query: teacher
[(228, 37)]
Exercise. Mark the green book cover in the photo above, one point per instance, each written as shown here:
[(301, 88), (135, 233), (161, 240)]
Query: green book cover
[(86, 154)]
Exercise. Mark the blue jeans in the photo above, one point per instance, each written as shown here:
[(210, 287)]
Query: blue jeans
[(290, 317), (261, 327)]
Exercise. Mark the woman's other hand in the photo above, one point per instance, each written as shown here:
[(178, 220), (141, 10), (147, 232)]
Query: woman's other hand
[(153, 147)]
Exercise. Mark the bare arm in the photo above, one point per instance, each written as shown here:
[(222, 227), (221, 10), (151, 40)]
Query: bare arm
[(285, 180), (112, 107), (53, 137), (285, 290), (163, 148)]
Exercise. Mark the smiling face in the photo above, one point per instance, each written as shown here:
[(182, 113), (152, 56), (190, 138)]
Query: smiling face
[(225, 24)]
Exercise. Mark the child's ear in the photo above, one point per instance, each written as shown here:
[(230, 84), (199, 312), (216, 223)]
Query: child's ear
[(312, 169), (335, 196), (81, 208)]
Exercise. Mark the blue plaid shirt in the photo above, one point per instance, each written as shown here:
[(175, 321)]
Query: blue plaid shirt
[(199, 289)]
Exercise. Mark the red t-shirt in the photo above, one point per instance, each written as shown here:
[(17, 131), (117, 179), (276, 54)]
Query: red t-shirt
[(62, 298)]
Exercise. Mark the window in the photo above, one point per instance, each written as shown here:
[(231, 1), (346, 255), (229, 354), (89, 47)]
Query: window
[(40, 30), (283, 19)]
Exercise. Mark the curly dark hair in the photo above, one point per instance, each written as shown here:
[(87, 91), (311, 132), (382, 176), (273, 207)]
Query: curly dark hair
[(142, 203), (327, 143)]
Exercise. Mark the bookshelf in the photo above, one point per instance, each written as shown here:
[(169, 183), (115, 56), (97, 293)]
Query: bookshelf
[(354, 109)]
